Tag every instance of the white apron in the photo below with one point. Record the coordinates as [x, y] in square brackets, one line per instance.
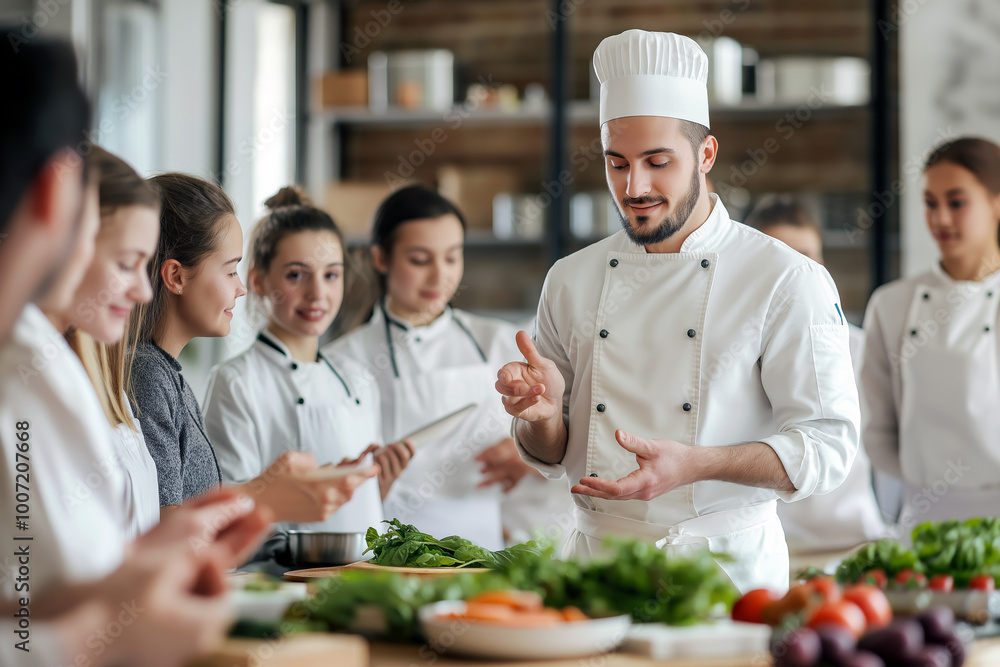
[262, 403]
[949, 423]
[437, 492]
[355, 430]
[672, 288]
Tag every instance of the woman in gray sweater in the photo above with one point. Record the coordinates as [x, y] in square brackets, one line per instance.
[195, 287]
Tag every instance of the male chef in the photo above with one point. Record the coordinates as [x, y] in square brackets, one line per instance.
[688, 370]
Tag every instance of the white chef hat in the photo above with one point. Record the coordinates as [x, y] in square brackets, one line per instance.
[652, 74]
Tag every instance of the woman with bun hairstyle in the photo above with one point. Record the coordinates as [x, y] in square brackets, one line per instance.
[931, 375]
[195, 286]
[283, 394]
[429, 360]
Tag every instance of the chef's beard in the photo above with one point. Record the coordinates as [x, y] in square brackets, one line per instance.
[670, 224]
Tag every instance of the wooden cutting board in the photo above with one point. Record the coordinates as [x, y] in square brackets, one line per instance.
[307, 650]
[327, 572]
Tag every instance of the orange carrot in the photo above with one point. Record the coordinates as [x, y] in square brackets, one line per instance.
[520, 600]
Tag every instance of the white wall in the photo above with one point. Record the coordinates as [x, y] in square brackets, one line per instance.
[949, 86]
[189, 114]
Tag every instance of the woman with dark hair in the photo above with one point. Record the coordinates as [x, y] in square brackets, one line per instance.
[931, 377]
[429, 360]
[282, 394]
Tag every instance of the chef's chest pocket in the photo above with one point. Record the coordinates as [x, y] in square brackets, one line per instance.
[833, 375]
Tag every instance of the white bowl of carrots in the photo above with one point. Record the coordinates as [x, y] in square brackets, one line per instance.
[516, 625]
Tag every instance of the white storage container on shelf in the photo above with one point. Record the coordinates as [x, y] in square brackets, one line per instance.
[420, 79]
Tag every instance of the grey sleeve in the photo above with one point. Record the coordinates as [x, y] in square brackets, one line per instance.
[156, 402]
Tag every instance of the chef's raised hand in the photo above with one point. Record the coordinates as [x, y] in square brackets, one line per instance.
[531, 391]
[663, 466]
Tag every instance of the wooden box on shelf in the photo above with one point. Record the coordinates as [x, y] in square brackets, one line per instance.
[342, 88]
[352, 204]
[472, 189]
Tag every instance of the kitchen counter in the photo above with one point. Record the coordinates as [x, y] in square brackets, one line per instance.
[351, 651]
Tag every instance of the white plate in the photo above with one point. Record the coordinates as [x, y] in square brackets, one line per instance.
[481, 639]
[266, 605]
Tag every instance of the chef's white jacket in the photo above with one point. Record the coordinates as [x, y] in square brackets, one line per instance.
[848, 515]
[70, 475]
[263, 403]
[736, 338]
[424, 373]
[931, 386]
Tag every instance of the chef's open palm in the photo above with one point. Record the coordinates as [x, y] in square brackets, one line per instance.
[531, 391]
[663, 466]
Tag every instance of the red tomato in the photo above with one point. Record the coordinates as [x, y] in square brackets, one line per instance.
[825, 587]
[910, 579]
[875, 578]
[872, 602]
[844, 613]
[982, 582]
[943, 583]
[749, 607]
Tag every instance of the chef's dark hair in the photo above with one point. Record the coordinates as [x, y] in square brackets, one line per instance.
[192, 213]
[289, 211]
[413, 202]
[695, 133]
[977, 155]
[46, 112]
[780, 209]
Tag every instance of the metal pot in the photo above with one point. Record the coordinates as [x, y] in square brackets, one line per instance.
[307, 548]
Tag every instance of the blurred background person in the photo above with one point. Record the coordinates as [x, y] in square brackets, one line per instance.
[850, 514]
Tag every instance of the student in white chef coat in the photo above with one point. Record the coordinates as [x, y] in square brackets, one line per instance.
[688, 371]
[195, 286]
[428, 360]
[114, 283]
[283, 394]
[181, 592]
[931, 377]
[849, 515]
